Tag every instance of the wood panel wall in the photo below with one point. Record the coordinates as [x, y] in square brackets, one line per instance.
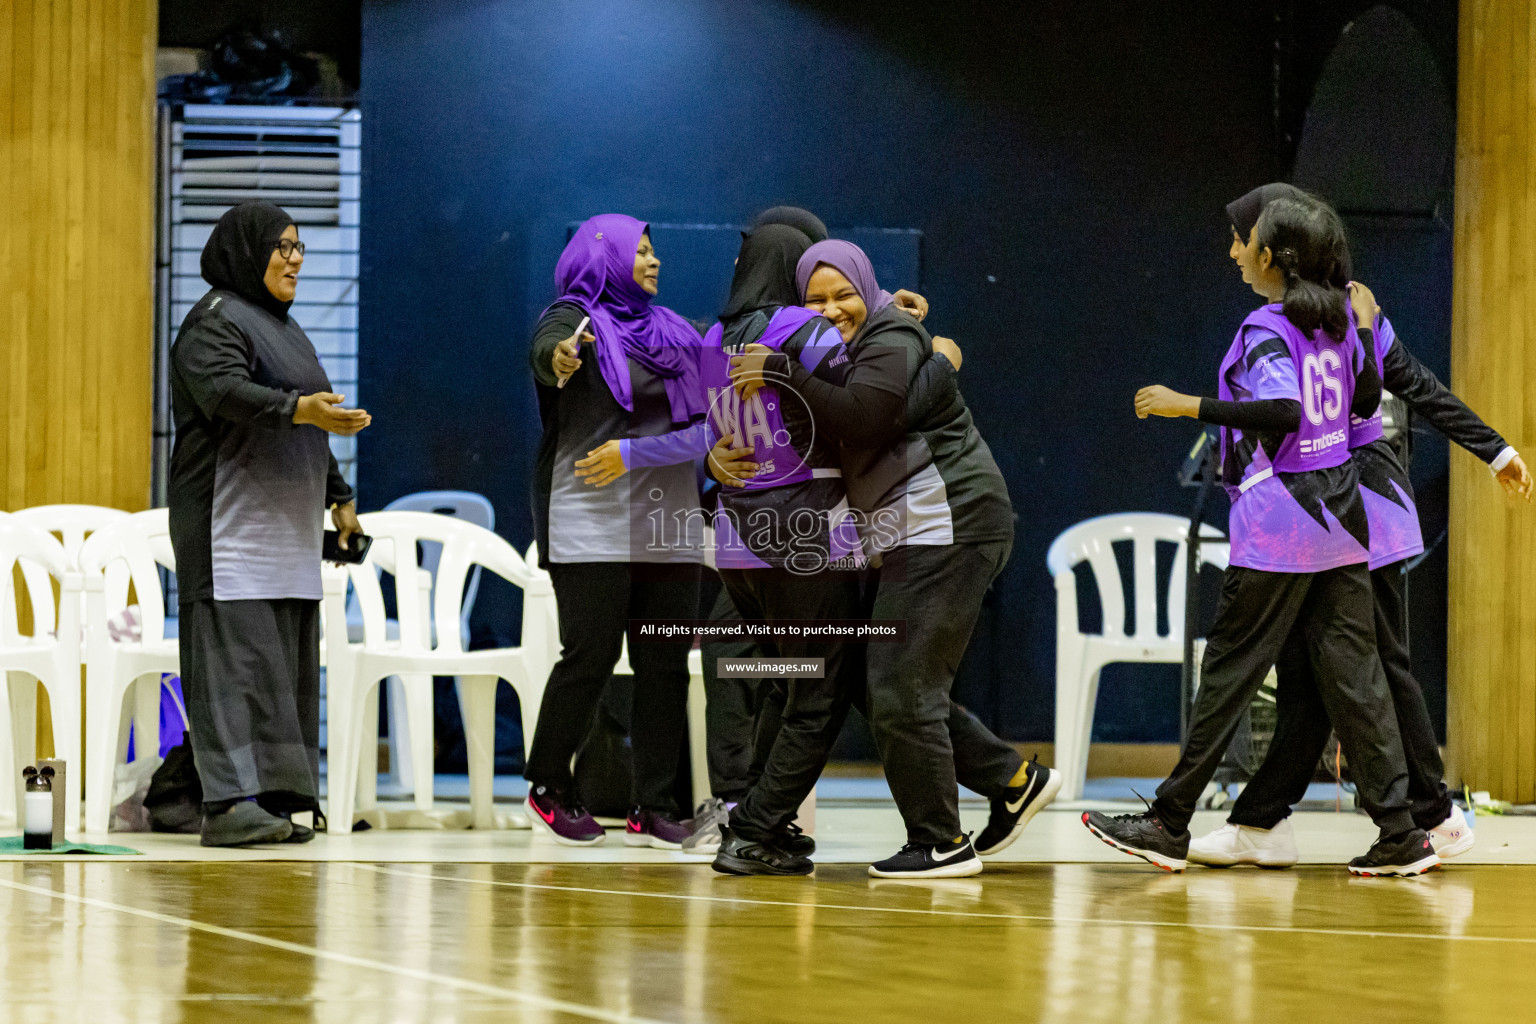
[76, 251]
[1492, 644]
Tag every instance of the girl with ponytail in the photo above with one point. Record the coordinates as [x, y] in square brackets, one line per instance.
[1292, 378]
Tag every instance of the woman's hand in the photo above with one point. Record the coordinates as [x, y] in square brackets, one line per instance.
[1160, 401]
[603, 465]
[729, 465]
[947, 348]
[1515, 478]
[323, 409]
[911, 302]
[567, 358]
[747, 370]
[344, 518]
[1363, 303]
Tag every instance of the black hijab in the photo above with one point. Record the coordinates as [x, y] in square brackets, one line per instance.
[1244, 213]
[765, 270]
[795, 217]
[239, 250]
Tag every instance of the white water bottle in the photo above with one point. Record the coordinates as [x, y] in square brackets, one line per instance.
[37, 810]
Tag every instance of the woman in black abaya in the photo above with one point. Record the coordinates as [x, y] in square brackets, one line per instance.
[251, 478]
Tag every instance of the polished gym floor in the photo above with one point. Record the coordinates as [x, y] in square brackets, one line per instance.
[506, 927]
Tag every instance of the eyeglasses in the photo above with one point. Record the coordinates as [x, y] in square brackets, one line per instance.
[286, 249]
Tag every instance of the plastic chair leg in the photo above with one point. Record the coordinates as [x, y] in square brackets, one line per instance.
[401, 762]
[698, 739]
[367, 793]
[343, 728]
[23, 715]
[477, 703]
[146, 717]
[64, 704]
[7, 758]
[421, 736]
[1068, 700]
[103, 726]
[1082, 737]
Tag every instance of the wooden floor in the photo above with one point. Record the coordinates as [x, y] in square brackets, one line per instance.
[118, 940]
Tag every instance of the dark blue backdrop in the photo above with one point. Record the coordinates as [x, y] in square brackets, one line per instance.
[1067, 169]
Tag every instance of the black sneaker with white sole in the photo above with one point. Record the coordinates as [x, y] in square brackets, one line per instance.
[740, 855]
[1141, 835]
[791, 838]
[955, 859]
[1018, 804]
[1407, 853]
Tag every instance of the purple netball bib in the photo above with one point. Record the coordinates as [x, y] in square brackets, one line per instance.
[1363, 431]
[1269, 530]
[759, 421]
[1326, 372]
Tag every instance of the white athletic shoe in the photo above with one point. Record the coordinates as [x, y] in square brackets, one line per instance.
[1243, 844]
[1453, 836]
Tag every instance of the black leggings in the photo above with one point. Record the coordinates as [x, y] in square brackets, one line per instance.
[1332, 614]
[810, 711]
[1301, 733]
[597, 600]
[927, 742]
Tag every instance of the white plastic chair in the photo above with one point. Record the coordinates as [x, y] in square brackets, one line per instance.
[50, 654]
[471, 508]
[1080, 657]
[134, 549]
[71, 523]
[355, 669]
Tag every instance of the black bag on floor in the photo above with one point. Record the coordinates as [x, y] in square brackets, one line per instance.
[175, 798]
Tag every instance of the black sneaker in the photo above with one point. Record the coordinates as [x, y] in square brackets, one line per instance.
[1141, 835]
[1407, 853]
[739, 855]
[791, 838]
[1018, 804]
[955, 859]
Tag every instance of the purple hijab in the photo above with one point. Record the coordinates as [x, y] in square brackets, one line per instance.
[596, 272]
[849, 260]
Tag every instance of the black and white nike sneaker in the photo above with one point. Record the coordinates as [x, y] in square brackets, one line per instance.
[955, 859]
[1141, 835]
[1405, 854]
[1018, 804]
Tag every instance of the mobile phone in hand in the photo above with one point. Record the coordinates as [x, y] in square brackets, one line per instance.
[579, 328]
[353, 554]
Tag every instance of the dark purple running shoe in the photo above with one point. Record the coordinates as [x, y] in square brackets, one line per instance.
[655, 829]
[567, 824]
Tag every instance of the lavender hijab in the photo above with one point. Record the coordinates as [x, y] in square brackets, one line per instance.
[596, 272]
[849, 260]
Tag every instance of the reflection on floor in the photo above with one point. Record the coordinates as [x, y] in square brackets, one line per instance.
[127, 940]
[847, 832]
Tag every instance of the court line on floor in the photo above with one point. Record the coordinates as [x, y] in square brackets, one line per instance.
[983, 915]
[463, 984]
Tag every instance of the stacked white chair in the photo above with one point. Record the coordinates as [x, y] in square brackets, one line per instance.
[49, 654]
[355, 669]
[131, 549]
[472, 508]
[1080, 657]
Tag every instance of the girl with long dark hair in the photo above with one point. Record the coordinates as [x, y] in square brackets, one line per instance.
[1258, 829]
[1295, 373]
